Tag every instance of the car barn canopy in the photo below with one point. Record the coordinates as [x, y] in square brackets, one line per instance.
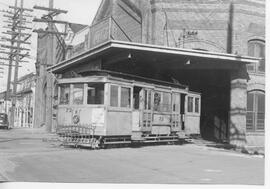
[118, 51]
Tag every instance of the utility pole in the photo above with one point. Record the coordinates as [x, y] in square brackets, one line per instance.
[16, 23]
[52, 32]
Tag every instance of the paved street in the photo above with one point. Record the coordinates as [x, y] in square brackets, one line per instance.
[24, 157]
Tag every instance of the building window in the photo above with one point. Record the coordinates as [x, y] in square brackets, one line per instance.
[255, 111]
[95, 93]
[256, 48]
[78, 90]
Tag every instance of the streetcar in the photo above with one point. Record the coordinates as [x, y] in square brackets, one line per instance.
[99, 108]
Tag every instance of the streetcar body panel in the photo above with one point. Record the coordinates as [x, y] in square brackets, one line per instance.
[127, 109]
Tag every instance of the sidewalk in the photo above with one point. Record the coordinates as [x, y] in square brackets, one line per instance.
[225, 146]
[26, 133]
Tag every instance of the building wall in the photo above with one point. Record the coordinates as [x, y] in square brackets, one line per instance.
[45, 82]
[24, 108]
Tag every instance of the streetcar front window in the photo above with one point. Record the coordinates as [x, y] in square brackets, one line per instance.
[166, 102]
[64, 94]
[95, 93]
[78, 94]
[190, 104]
[162, 102]
[197, 104]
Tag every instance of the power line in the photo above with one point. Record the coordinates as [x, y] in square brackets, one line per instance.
[4, 4]
[15, 51]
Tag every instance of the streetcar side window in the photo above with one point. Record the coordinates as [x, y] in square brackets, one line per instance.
[78, 90]
[125, 97]
[95, 93]
[114, 96]
[64, 94]
[190, 104]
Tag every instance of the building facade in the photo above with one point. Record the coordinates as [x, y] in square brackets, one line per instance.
[24, 110]
[63, 47]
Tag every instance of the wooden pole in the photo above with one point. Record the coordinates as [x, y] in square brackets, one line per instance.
[14, 96]
[50, 60]
[7, 97]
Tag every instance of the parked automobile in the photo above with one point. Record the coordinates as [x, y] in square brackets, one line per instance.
[4, 121]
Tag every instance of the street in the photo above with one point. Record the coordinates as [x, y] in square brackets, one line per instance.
[27, 158]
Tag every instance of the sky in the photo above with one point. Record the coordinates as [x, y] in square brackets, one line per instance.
[79, 11]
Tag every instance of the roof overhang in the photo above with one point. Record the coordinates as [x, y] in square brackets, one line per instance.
[113, 48]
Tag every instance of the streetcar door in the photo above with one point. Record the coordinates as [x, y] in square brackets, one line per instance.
[137, 106]
[146, 111]
[182, 110]
[176, 116]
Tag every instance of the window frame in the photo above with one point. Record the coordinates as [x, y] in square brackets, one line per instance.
[194, 97]
[72, 94]
[192, 107]
[258, 44]
[176, 95]
[119, 96]
[254, 112]
[59, 94]
[86, 93]
[162, 92]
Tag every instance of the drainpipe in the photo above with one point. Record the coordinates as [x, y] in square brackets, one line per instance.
[230, 29]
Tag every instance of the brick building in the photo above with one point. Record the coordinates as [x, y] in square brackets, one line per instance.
[234, 27]
[24, 108]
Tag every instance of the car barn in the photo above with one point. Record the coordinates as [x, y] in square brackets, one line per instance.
[220, 79]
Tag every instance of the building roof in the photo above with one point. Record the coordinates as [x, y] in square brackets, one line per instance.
[30, 75]
[77, 27]
[113, 50]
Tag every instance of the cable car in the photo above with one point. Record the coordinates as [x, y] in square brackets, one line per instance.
[104, 107]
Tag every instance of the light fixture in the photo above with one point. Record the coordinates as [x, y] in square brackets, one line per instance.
[188, 62]
[129, 56]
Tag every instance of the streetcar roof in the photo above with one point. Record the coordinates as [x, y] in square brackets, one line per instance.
[96, 76]
[113, 51]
